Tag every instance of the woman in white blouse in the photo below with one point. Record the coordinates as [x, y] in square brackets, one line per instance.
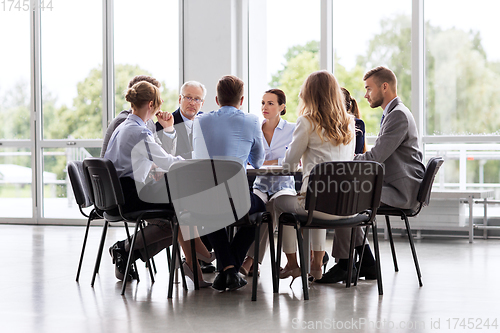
[324, 132]
[277, 136]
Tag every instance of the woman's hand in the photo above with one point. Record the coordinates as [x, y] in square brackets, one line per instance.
[165, 119]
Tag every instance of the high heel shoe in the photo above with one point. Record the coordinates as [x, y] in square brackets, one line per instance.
[189, 273]
[316, 274]
[206, 259]
[294, 273]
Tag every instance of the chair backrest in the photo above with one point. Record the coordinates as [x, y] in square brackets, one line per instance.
[79, 184]
[106, 190]
[208, 192]
[424, 192]
[345, 188]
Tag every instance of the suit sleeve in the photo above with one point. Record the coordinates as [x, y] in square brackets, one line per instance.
[392, 134]
[300, 141]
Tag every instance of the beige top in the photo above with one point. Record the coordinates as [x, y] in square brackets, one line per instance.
[307, 145]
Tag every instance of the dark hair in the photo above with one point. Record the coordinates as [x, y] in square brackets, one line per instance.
[229, 90]
[142, 93]
[281, 98]
[350, 104]
[382, 74]
[139, 78]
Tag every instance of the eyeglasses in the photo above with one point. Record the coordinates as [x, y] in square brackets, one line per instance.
[191, 99]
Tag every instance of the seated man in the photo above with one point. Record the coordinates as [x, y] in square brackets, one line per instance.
[230, 132]
[397, 148]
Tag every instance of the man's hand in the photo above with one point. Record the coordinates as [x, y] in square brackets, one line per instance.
[165, 119]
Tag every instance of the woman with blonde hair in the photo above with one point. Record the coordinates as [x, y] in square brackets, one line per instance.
[324, 132]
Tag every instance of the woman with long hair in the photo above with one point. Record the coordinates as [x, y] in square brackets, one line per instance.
[324, 132]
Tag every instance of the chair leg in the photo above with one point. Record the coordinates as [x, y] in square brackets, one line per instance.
[83, 248]
[361, 256]
[377, 257]
[256, 261]
[413, 251]
[193, 259]
[129, 239]
[278, 254]
[152, 264]
[175, 244]
[129, 259]
[169, 258]
[272, 253]
[99, 252]
[391, 240]
[148, 261]
[305, 286]
[350, 263]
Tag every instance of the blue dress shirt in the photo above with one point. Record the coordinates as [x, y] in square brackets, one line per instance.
[228, 133]
[276, 151]
[133, 150]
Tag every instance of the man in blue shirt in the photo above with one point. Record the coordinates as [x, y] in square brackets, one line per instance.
[230, 133]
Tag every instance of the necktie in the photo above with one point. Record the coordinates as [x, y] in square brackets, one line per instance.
[382, 120]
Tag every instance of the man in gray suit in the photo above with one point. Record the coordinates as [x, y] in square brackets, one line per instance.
[397, 148]
[397, 142]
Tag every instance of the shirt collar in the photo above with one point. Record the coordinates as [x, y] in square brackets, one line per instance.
[388, 105]
[136, 119]
[187, 121]
[280, 125]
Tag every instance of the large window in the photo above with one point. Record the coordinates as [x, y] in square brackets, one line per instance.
[15, 116]
[147, 49]
[462, 60]
[367, 34]
[284, 49]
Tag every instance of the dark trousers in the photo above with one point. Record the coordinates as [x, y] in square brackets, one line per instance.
[234, 252]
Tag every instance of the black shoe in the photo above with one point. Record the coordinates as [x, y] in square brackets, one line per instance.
[119, 257]
[206, 267]
[234, 280]
[220, 282]
[368, 272]
[336, 274]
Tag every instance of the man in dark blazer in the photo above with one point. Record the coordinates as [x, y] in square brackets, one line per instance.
[191, 99]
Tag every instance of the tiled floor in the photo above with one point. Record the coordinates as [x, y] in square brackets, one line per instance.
[38, 292]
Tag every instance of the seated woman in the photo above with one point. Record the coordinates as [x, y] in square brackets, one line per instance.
[277, 136]
[324, 132]
[134, 153]
[352, 107]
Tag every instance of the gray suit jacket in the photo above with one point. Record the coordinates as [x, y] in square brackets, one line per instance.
[397, 148]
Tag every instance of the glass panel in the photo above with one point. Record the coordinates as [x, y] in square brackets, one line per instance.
[462, 60]
[156, 55]
[58, 199]
[367, 34]
[467, 166]
[14, 72]
[16, 178]
[285, 53]
[72, 70]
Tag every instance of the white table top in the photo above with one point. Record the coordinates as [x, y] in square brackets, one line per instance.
[461, 194]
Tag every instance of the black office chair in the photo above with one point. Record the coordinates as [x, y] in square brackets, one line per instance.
[423, 197]
[212, 194]
[108, 196]
[82, 198]
[344, 189]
